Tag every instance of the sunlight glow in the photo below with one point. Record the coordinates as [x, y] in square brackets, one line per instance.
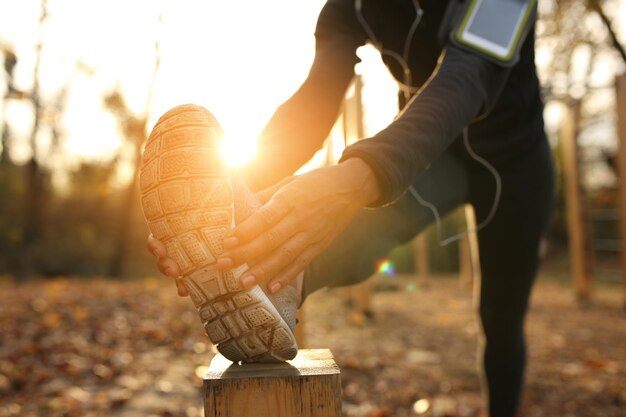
[238, 65]
[240, 60]
[237, 150]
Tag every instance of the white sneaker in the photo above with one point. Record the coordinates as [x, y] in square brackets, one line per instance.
[187, 201]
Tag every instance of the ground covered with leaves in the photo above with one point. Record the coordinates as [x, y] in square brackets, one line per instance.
[123, 349]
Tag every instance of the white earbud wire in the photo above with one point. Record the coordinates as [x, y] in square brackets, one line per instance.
[407, 88]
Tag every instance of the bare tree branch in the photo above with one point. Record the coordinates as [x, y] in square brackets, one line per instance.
[35, 196]
[595, 6]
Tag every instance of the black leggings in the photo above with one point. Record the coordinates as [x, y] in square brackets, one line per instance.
[509, 250]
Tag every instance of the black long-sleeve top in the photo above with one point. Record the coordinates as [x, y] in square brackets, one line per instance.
[501, 106]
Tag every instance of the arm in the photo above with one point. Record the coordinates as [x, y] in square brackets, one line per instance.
[299, 127]
[302, 218]
[463, 87]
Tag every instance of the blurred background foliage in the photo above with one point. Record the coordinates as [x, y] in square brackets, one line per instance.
[90, 222]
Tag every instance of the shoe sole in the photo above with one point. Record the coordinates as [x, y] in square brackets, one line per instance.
[187, 201]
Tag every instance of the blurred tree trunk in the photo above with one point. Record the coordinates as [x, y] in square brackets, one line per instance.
[135, 130]
[4, 155]
[10, 60]
[7, 171]
[35, 195]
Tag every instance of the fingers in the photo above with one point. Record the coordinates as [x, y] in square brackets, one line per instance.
[267, 242]
[294, 251]
[168, 267]
[182, 289]
[263, 219]
[156, 247]
[295, 268]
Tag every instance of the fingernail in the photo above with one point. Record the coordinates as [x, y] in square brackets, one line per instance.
[224, 263]
[275, 287]
[230, 242]
[248, 281]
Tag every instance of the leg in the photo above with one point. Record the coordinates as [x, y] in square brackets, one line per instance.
[370, 236]
[509, 258]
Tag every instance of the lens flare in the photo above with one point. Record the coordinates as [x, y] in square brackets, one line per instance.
[385, 267]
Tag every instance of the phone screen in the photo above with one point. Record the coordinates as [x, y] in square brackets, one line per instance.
[497, 21]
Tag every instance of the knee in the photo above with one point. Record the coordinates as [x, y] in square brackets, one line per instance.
[502, 326]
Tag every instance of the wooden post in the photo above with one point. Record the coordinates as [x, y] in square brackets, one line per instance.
[465, 263]
[469, 260]
[576, 216]
[362, 298]
[352, 114]
[307, 386]
[620, 100]
[422, 267]
[358, 298]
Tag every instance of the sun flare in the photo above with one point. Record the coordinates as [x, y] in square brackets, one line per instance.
[239, 72]
[237, 149]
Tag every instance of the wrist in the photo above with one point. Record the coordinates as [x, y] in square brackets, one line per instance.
[366, 186]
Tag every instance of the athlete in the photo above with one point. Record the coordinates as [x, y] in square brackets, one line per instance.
[470, 132]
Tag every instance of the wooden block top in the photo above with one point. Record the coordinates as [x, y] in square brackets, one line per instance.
[308, 362]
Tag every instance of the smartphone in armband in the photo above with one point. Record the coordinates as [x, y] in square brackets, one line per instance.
[496, 29]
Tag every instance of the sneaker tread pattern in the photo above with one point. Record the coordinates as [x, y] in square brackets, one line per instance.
[187, 202]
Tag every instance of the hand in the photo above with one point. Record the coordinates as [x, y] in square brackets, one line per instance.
[298, 222]
[167, 266]
[266, 195]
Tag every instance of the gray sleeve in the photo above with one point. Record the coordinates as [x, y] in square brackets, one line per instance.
[463, 87]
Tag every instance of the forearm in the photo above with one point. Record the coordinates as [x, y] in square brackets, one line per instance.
[463, 87]
[300, 126]
[295, 132]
